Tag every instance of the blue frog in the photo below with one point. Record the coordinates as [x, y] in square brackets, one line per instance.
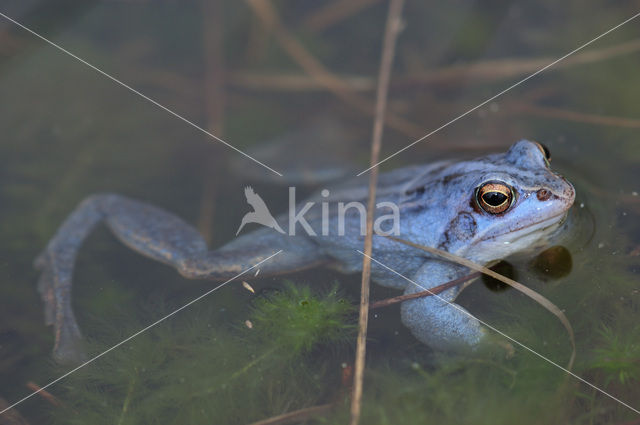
[482, 209]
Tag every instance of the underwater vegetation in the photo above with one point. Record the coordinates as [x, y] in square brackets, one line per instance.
[290, 354]
[619, 356]
[68, 132]
[199, 371]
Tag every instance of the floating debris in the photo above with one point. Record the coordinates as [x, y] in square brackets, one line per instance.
[248, 287]
[257, 272]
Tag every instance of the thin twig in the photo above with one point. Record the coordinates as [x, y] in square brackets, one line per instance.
[334, 12]
[53, 400]
[214, 100]
[487, 71]
[12, 416]
[296, 416]
[392, 29]
[427, 293]
[258, 40]
[294, 82]
[568, 115]
[312, 66]
[500, 69]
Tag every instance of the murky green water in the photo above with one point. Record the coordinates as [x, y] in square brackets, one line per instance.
[68, 131]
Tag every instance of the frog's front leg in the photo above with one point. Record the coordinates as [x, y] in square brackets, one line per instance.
[436, 320]
[162, 236]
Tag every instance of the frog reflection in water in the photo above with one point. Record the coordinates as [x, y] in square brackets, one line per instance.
[483, 209]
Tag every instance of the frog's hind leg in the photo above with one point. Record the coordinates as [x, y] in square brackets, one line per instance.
[162, 236]
[56, 265]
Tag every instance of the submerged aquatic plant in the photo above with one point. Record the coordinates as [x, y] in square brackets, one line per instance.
[478, 388]
[198, 370]
[619, 355]
[295, 320]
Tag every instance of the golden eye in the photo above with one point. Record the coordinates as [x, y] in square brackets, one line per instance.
[494, 197]
[545, 152]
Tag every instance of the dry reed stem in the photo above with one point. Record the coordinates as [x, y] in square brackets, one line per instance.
[568, 115]
[427, 293]
[214, 102]
[487, 71]
[53, 400]
[392, 28]
[11, 417]
[500, 69]
[296, 416]
[333, 13]
[312, 66]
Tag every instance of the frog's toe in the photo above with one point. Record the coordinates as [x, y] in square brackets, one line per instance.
[45, 288]
[68, 348]
[57, 312]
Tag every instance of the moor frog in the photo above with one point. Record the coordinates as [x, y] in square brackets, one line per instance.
[482, 209]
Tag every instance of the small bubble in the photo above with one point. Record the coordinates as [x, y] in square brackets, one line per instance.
[324, 193]
[634, 193]
[494, 107]
[581, 204]
[601, 245]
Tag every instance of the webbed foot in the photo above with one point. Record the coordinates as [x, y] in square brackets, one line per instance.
[68, 348]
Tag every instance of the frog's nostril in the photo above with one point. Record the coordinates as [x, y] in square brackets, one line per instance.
[543, 194]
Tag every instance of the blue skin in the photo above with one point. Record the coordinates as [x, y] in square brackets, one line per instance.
[438, 207]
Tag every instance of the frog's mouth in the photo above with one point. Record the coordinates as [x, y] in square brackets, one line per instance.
[542, 227]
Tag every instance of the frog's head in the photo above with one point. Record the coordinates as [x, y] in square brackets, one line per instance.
[506, 202]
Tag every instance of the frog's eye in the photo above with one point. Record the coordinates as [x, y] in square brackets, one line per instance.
[494, 197]
[545, 151]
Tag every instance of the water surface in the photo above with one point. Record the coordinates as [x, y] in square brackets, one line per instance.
[68, 132]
